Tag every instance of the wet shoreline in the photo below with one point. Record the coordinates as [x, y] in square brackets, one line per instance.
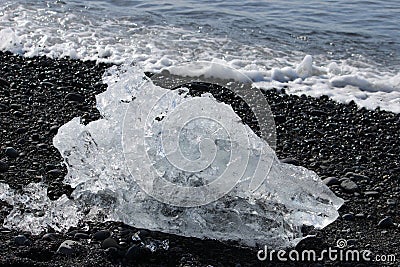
[352, 145]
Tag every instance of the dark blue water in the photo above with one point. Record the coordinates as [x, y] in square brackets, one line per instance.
[337, 28]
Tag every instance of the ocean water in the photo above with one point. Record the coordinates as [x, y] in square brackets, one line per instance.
[348, 50]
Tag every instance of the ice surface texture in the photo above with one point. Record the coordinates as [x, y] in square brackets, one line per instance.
[113, 165]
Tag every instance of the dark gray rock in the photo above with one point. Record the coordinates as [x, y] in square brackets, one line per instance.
[4, 83]
[356, 177]
[35, 137]
[348, 217]
[3, 166]
[133, 252]
[21, 240]
[15, 107]
[112, 252]
[143, 233]
[3, 107]
[75, 97]
[290, 161]
[47, 84]
[81, 236]
[21, 130]
[50, 167]
[109, 243]
[280, 118]
[69, 247]
[54, 172]
[101, 235]
[386, 222]
[318, 112]
[349, 186]
[352, 242]
[331, 181]
[137, 252]
[391, 201]
[11, 152]
[17, 113]
[49, 237]
[53, 129]
[73, 232]
[42, 146]
[371, 193]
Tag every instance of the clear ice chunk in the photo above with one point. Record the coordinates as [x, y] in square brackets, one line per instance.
[106, 187]
[33, 211]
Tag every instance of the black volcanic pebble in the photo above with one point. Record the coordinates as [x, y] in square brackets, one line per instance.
[42, 146]
[75, 97]
[143, 233]
[81, 236]
[53, 129]
[3, 166]
[371, 193]
[109, 243]
[54, 172]
[113, 252]
[35, 137]
[137, 253]
[331, 181]
[101, 235]
[348, 185]
[21, 130]
[133, 252]
[356, 176]
[73, 232]
[352, 242]
[348, 217]
[69, 247]
[4, 83]
[3, 107]
[391, 201]
[386, 222]
[49, 237]
[360, 215]
[21, 240]
[11, 152]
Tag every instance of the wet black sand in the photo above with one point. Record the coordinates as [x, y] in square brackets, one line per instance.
[38, 95]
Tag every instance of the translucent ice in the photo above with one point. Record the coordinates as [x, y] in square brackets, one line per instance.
[33, 211]
[111, 164]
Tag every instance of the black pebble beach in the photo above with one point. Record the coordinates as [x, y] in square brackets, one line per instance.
[356, 152]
